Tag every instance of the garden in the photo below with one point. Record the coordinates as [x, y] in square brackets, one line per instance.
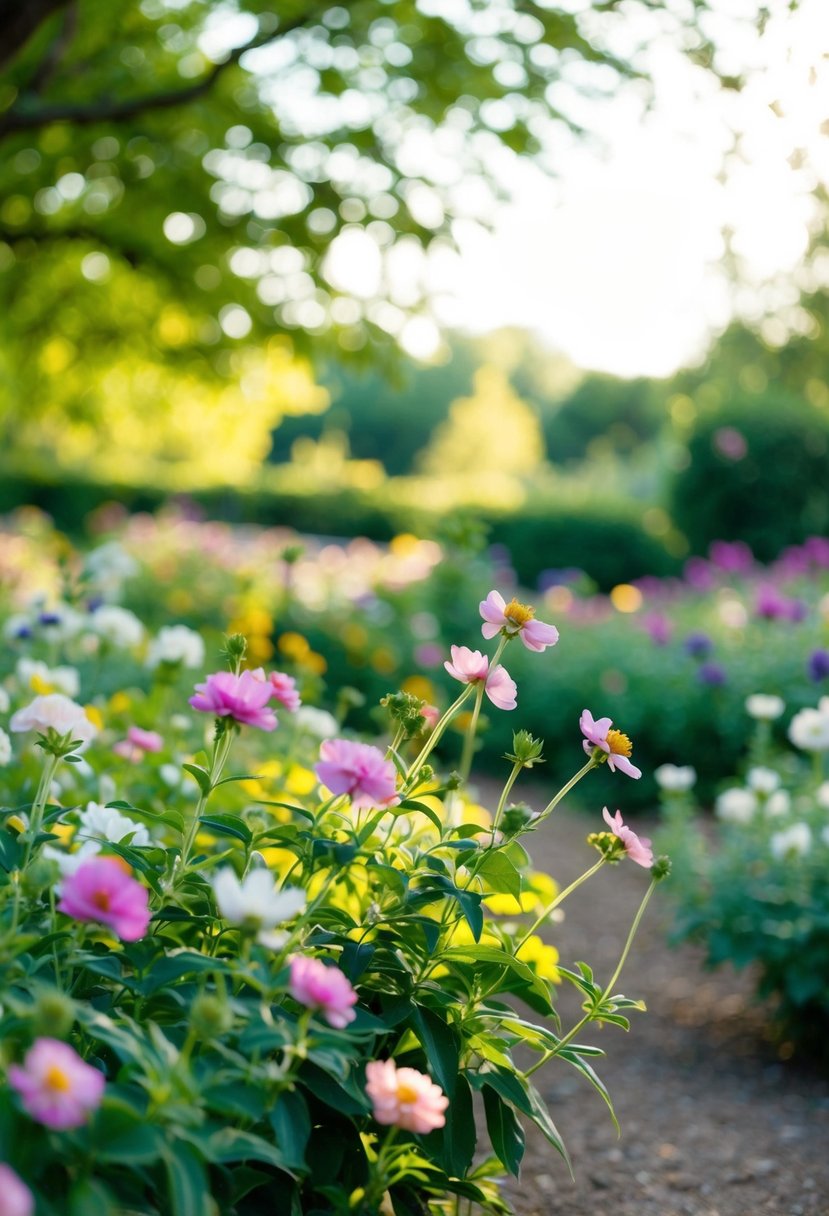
[414, 738]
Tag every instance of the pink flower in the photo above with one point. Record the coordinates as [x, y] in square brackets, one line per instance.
[15, 1197]
[638, 848]
[101, 890]
[243, 698]
[56, 712]
[285, 690]
[405, 1097]
[513, 618]
[357, 769]
[55, 1085]
[325, 988]
[472, 667]
[430, 715]
[616, 746]
[137, 742]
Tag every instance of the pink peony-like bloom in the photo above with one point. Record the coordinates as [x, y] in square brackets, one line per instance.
[101, 890]
[472, 667]
[15, 1197]
[404, 1097]
[638, 848]
[55, 1085]
[357, 769]
[324, 988]
[513, 618]
[430, 715]
[285, 690]
[244, 698]
[616, 746]
[56, 712]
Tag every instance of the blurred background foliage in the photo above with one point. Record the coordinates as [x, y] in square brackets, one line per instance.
[180, 184]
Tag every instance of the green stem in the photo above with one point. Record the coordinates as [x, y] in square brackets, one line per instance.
[469, 740]
[608, 988]
[502, 801]
[559, 899]
[436, 735]
[565, 789]
[39, 804]
[221, 750]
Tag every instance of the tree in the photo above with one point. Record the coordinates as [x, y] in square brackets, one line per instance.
[223, 169]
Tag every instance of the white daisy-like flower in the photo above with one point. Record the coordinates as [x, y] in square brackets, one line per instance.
[676, 778]
[736, 806]
[796, 840]
[763, 780]
[107, 823]
[118, 626]
[176, 644]
[765, 707]
[809, 730]
[255, 902]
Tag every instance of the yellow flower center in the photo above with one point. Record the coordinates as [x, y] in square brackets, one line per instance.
[406, 1093]
[620, 745]
[101, 900]
[518, 614]
[57, 1079]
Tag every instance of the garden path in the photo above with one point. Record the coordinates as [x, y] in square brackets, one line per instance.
[713, 1123]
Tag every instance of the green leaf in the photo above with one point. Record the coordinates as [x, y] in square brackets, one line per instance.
[412, 804]
[229, 1145]
[227, 825]
[172, 967]
[533, 984]
[499, 873]
[291, 1125]
[458, 1138]
[541, 1118]
[200, 775]
[189, 1188]
[89, 1196]
[505, 1132]
[122, 1134]
[440, 1042]
[571, 1055]
[504, 1082]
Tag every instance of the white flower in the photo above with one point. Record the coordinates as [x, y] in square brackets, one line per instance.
[18, 625]
[180, 721]
[4, 700]
[68, 862]
[736, 806]
[109, 565]
[809, 730]
[822, 796]
[795, 840]
[117, 625]
[58, 623]
[107, 823]
[778, 803]
[255, 902]
[5, 748]
[58, 713]
[317, 722]
[176, 644]
[675, 777]
[37, 676]
[764, 706]
[763, 780]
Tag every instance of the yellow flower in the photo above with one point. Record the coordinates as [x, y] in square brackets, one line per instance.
[300, 780]
[293, 645]
[541, 958]
[94, 714]
[539, 890]
[315, 663]
[419, 686]
[119, 702]
[279, 860]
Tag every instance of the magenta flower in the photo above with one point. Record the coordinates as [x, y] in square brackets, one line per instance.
[324, 988]
[284, 690]
[616, 746]
[101, 890]
[404, 1097]
[513, 618]
[137, 742]
[244, 698]
[357, 769]
[472, 667]
[55, 1085]
[638, 848]
[15, 1197]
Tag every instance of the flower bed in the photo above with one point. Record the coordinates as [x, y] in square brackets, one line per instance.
[252, 963]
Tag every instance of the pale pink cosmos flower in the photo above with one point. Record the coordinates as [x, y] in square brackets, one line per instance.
[472, 667]
[513, 618]
[638, 848]
[616, 746]
[15, 1197]
[55, 1085]
[324, 988]
[56, 712]
[138, 742]
[101, 890]
[404, 1097]
[360, 770]
[244, 698]
[285, 690]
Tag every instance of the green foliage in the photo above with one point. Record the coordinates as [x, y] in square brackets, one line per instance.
[755, 894]
[758, 471]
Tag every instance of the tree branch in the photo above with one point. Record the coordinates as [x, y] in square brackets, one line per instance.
[18, 21]
[21, 118]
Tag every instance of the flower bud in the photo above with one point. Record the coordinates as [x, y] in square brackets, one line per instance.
[235, 648]
[661, 868]
[292, 553]
[210, 1016]
[526, 750]
[405, 709]
[38, 876]
[53, 1013]
[516, 817]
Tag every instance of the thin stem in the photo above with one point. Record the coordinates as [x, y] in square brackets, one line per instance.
[221, 750]
[565, 789]
[502, 801]
[559, 899]
[469, 740]
[436, 734]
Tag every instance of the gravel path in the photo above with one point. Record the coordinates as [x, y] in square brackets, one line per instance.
[713, 1124]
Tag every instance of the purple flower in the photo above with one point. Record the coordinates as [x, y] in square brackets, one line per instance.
[698, 574]
[773, 606]
[472, 667]
[698, 645]
[102, 890]
[818, 665]
[712, 674]
[244, 698]
[732, 556]
[638, 848]
[360, 770]
[659, 627]
[285, 690]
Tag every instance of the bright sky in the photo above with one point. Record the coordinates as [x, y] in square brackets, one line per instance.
[618, 263]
